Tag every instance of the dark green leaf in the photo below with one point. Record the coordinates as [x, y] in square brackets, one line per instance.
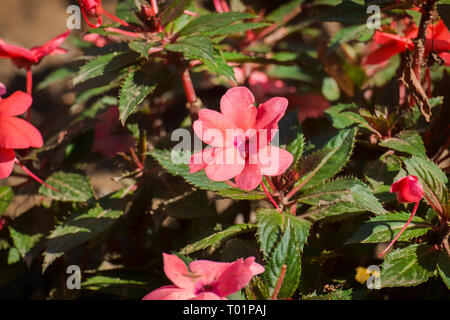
[408, 266]
[406, 141]
[70, 187]
[6, 195]
[213, 21]
[173, 10]
[385, 227]
[443, 265]
[218, 238]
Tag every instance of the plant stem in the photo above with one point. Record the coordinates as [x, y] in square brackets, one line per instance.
[116, 19]
[401, 231]
[270, 197]
[32, 175]
[279, 282]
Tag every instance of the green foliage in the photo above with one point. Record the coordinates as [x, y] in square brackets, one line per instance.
[78, 228]
[406, 141]
[385, 227]
[408, 266]
[282, 237]
[69, 187]
[213, 21]
[6, 195]
[217, 238]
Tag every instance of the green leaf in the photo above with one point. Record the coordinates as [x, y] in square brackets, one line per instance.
[104, 64]
[126, 9]
[443, 265]
[239, 194]
[282, 237]
[336, 295]
[408, 266]
[13, 256]
[198, 47]
[54, 77]
[346, 12]
[349, 33]
[279, 14]
[236, 28]
[70, 186]
[78, 229]
[385, 227]
[174, 10]
[331, 159]
[431, 177]
[213, 21]
[342, 116]
[142, 47]
[24, 242]
[218, 238]
[332, 212]
[181, 168]
[136, 87]
[406, 141]
[347, 189]
[6, 195]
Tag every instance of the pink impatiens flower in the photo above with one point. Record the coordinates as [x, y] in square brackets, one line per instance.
[239, 138]
[205, 280]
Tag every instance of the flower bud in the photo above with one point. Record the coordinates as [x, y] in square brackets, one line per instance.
[91, 7]
[408, 189]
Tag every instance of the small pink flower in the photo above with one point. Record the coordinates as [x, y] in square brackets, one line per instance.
[408, 189]
[110, 137]
[205, 280]
[239, 138]
[97, 39]
[3, 223]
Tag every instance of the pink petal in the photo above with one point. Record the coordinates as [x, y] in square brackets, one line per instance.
[210, 271]
[385, 52]
[227, 164]
[238, 105]
[50, 47]
[177, 272]
[270, 112]
[208, 296]
[7, 157]
[200, 159]
[17, 133]
[169, 293]
[446, 57]
[237, 276]
[250, 178]
[274, 161]
[16, 104]
[212, 127]
[408, 189]
[10, 51]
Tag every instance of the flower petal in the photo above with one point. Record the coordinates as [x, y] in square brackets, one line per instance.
[177, 272]
[238, 105]
[249, 178]
[237, 276]
[274, 161]
[50, 47]
[169, 293]
[270, 112]
[226, 164]
[17, 133]
[208, 296]
[208, 271]
[10, 51]
[199, 159]
[385, 52]
[212, 127]
[16, 104]
[7, 157]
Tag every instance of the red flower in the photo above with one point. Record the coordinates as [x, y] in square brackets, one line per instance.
[25, 58]
[3, 222]
[94, 8]
[15, 133]
[408, 189]
[389, 44]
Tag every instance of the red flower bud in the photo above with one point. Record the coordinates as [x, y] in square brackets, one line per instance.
[408, 189]
[92, 8]
[3, 222]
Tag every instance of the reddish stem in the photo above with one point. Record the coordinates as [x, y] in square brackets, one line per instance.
[188, 86]
[125, 33]
[32, 175]
[279, 282]
[270, 197]
[401, 231]
[116, 19]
